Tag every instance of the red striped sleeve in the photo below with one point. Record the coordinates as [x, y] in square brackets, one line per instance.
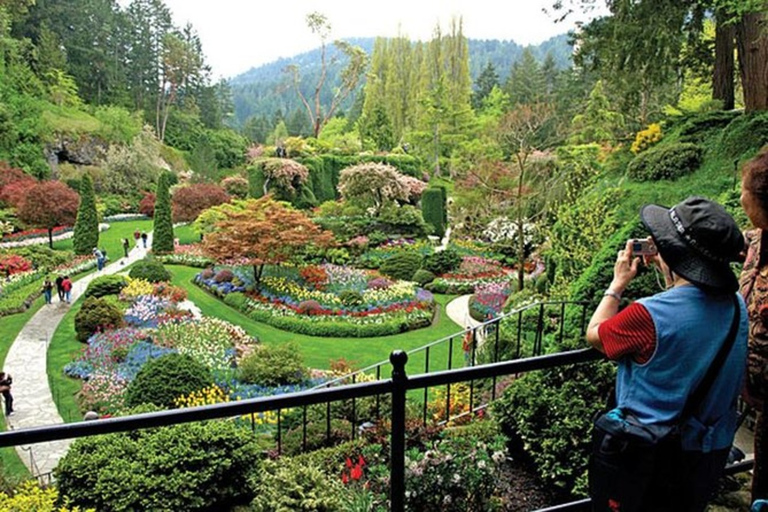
[629, 333]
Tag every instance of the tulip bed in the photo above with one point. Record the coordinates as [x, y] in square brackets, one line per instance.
[155, 326]
[324, 300]
[474, 271]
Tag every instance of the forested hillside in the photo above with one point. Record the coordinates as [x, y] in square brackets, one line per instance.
[266, 92]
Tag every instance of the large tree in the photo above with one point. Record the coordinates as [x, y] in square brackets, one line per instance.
[264, 232]
[87, 223]
[47, 205]
[317, 113]
[190, 201]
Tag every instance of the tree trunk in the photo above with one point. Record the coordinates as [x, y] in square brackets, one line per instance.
[50, 237]
[722, 77]
[258, 270]
[753, 60]
[520, 222]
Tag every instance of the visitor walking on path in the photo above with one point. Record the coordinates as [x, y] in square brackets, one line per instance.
[126, 246]
[5, 389]
[59, 288]
[99, 258]
[144, 239]
[47, 289]
[66, 285]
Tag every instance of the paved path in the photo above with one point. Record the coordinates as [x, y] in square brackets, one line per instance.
[458, 311]
[26, 362]
[44, 239]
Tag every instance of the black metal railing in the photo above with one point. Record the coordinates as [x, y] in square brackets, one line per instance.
[397, 387]
[523, 332]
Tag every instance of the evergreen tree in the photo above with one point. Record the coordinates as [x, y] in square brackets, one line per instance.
[162, 241]
[526, 84]
[598, 123]
[87, 222]
[484, 84]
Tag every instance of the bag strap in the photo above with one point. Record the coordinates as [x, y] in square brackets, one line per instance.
[695, 398]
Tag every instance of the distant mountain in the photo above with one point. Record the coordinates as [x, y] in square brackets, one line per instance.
[267, 90]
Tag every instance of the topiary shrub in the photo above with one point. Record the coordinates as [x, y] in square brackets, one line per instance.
[96, 314]
[106, 285]
[351, 298]
[442, 262]
[86, 235]
[205, 466]
[273, 366]
[422, 277]
[402, 265]
[162, 240]
[150, 270]
[297, 486]
[433, 209]
[667, 162]
[163, 380]
[745, 134]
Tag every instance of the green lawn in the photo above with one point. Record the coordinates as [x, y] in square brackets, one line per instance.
[318, 352]
[185, 234]
[111, 239]
[10, 326]
[63, 349]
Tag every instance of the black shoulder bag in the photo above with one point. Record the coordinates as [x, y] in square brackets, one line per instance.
[635, 467]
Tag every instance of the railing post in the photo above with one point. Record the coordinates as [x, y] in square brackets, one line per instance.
[398, 358]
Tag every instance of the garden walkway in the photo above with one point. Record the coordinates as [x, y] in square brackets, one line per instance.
[26, 362]
[458, 311]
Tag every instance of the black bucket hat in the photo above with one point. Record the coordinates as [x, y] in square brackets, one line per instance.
[697, 239]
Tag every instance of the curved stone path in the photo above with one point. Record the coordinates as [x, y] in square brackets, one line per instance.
[26, 362]
[458, 311]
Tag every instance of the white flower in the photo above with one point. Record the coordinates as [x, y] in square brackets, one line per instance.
[481, 464]
[456, 478]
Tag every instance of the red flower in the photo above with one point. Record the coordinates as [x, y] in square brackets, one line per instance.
[344, 478]
[360, 461]
[357, 472]
[348, 463]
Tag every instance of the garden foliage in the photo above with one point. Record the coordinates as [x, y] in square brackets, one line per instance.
[434, 210]
[96, 314]
[106, 285]
[669, 162]
[86, 235]
[163, 380]
[402, 265]
[744, 135]
[288, 486]
[150, 270]
[274, 366]
[162, 237]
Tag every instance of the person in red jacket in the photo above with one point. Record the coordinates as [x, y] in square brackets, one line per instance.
[66, 285]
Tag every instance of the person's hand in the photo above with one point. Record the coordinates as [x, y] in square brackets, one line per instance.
[625, 269]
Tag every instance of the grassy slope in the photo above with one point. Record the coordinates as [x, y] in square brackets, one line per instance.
[111, 239]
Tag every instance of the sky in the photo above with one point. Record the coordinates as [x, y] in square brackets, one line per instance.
[240, 34]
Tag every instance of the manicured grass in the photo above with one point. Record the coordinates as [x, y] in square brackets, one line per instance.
[185, 234]
[10, 326]
[63, 349]
[318, 351]
[112, 239]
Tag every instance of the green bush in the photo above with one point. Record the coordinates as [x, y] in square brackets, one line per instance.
[666, 162]
[317, 435]
[161, 381]
[288, 486]
[442, 262]
[41, 256]
[433, 209]
[351, 298]
[106, 285]
[96, 314]
[86, 235]
[150, 270]
[745, 135]
[693, 128]
[204, 466]
[274, 366]
[405, 220]
[235, 299]
[256, 182]
[422, 277]
[162, 236]
[402, 265]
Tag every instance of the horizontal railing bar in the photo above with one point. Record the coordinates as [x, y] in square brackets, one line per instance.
[504, 368]
[454, 335]
[200, 413]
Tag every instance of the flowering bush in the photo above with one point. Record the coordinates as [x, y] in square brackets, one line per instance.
[135, 289]
[314, 276]
[504, 229]
[175, 294]
[14, 264]
[646, 138]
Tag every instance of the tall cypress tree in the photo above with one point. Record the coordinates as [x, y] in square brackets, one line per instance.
[87, 222]
[162, 241]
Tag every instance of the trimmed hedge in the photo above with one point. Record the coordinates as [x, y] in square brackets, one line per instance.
[666, 162]
[273, 366]
[86, 235]
[443, 262]
[96, 314]
[162, 238]
[161, 381]
[106, 285]
[402, 265]
[150, 270]
[422, 277]
[433, 209]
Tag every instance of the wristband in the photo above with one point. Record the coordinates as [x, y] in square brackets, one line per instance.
[611, 293]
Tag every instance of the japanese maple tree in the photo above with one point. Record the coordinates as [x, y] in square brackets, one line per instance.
[264, 232]
[190, 201]
[49, 204]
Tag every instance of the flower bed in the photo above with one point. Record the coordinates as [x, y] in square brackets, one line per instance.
[124, 217]
[489, 300]
[373, 258]
[36, 233]
[326, 300]
[190, 255]
[474, 271]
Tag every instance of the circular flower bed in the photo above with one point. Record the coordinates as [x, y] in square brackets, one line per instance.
[325, 300]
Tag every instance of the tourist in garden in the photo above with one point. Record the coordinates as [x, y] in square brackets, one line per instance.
[665, 444]
[47, 290]
[59, 288]
[126, 246]
[66, 285]
[136, 237]
[99, 258]
[5, 389]
[754, 288]
[144, 240]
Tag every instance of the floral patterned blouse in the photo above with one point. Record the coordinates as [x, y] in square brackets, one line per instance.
[754, 288]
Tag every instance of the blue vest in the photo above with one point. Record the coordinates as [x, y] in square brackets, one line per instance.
[691, 326]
